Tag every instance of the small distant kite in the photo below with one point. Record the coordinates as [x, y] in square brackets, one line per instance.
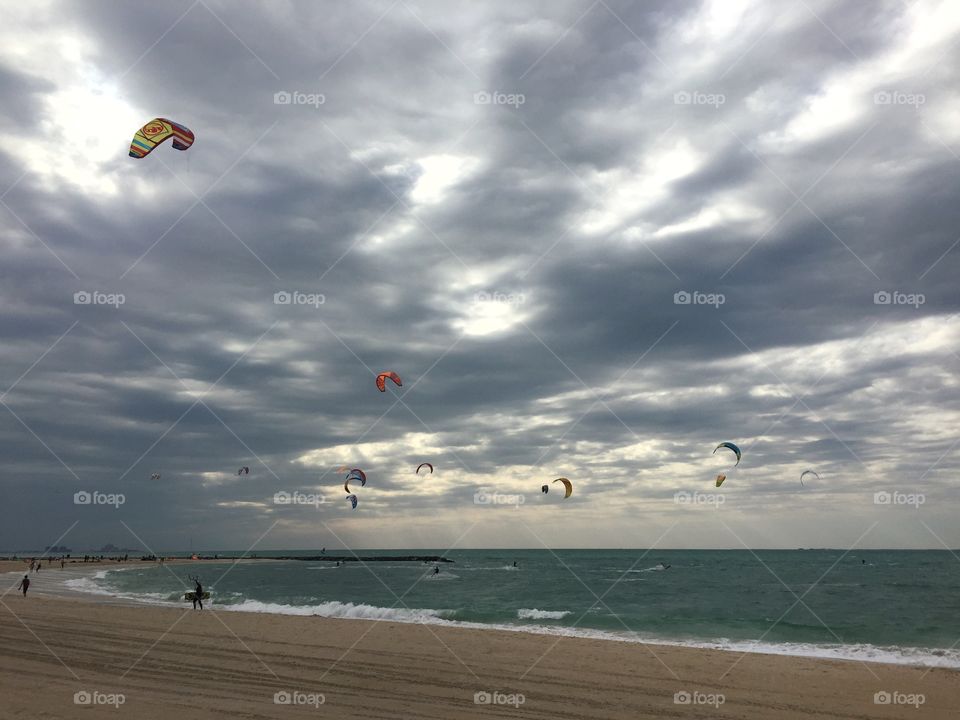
[155, 476]
[243, 471]
[544, 489]
[382, 380]
[808, 472]
[353, 501]
[729, 446]
[155, 132]
[566, 484]
[423, 465]
[720, 478]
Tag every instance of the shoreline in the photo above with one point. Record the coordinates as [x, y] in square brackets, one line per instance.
[66, 588]
[165, 662]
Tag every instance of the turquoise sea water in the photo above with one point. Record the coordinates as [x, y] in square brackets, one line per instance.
[899, 606]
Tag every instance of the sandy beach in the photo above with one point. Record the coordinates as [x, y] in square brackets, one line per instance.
[58, 653]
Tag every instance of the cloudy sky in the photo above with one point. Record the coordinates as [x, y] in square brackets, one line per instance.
[594, 239]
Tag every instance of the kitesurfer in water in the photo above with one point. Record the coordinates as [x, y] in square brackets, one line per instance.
[436, 569]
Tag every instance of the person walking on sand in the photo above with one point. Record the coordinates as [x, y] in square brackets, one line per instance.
[198, 594]
[62, 561]
[25, 584]
[33, 565]
[38, 566]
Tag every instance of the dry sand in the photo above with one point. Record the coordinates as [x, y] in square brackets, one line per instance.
[173, 663]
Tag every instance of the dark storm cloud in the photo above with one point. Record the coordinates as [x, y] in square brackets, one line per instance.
[22, 96]
[530, 310]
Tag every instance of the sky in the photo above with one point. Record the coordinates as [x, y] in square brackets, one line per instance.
[593, 239]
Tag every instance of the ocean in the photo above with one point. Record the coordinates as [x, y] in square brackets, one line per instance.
[883, 605]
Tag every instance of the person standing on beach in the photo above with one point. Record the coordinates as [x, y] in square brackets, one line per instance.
[33, 565]
[61, 563]
[38, 566]
[25, 584]
[198, 594]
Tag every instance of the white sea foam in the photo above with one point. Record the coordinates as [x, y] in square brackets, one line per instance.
[87, 585]
[343, 610]
[534, 614]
